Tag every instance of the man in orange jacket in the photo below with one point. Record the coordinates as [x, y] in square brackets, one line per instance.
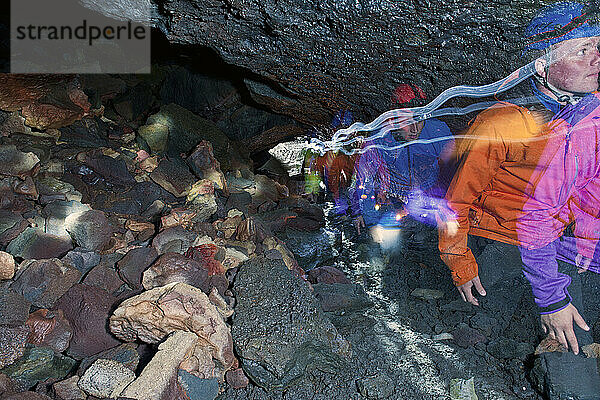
[494, 183]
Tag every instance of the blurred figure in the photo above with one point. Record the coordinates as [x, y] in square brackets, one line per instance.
[389, 180]
[332, 171]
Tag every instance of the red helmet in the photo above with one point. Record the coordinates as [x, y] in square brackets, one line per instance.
[405, 93]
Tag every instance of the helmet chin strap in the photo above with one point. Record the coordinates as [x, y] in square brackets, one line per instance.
[561, 97]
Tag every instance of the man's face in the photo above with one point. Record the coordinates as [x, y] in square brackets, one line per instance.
[411, 131]
[576, 65]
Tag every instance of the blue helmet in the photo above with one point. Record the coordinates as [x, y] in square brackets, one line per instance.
[559, 22]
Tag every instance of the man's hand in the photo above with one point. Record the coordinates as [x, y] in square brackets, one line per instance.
[465, 290]
[582, 263]
[358, 223]
[559, 326]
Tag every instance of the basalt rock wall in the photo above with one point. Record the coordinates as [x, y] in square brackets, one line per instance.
[312, 57]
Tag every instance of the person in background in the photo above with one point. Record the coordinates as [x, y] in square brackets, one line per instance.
[332, 171]
[386, 180]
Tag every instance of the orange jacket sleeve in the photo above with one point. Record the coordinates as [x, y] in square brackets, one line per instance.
[480, 155]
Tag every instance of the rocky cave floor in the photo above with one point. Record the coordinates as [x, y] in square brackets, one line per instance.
[143, 256]
[413, 334]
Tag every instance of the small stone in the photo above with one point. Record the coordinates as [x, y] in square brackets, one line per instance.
[340, 296]
[125, 353]
[68, 389]
[14, 162]
[237, 379]
[327, 275]
[464, 336]
[174, 267]
[176, 239]
[198, 388]
[106, 378]
[14, 308]
[132, 266]
[427, 294]
[7, 386]
[549, 345]
[42, 282]
[57, 212]
[49, 328]
[12, 344]
[463, 389]
[591, 350]
[90, 229]
[34, 244]
[458, 305]
[504, 348]
[174, 176]
[7, 266]
[82, 259]
[443, 336]
[375, 387]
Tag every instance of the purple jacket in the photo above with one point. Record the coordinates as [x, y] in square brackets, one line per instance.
[564, 188]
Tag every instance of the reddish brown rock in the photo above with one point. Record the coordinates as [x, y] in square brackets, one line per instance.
[7, 266]
[87, 309]
[327, 275]
[50, 329]
[549, 345]
[142, 230]
[205, 165]
[252, 229]
[206, 255]
[104, 276]
[236, 379]
[174, 267]
[46, 101]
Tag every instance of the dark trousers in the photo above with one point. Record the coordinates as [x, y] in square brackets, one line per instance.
[565, 375]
